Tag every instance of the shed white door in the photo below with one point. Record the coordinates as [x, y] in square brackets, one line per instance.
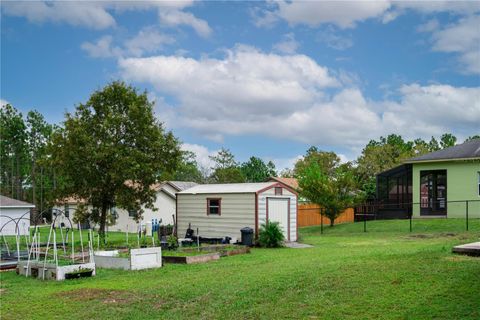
[278, 212]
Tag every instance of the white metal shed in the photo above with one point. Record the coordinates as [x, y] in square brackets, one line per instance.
[10, 211]
[220, 210]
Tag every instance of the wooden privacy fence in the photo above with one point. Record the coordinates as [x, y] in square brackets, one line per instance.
[309, 215]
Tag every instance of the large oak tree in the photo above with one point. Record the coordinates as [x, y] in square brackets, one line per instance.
[112, 149]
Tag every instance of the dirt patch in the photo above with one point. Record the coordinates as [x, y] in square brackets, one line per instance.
[102, 295]
[448, 234]
[458, 258]
[420, 236]
[396, 282]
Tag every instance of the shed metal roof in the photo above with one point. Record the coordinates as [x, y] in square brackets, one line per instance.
[228, 188]
[6, 202]
[465, 151]
[182, 185]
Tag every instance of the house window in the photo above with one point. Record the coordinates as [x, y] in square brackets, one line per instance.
[132, 213]
[278, 191]
[214, 206]
[67, 210]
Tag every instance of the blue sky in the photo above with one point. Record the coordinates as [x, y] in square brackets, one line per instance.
[261, 78]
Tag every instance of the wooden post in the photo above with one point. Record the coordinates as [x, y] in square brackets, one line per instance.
[466, 214]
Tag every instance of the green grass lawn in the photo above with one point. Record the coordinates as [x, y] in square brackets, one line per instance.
[386, 273]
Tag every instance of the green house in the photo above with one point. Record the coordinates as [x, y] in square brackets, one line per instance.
[445, 183]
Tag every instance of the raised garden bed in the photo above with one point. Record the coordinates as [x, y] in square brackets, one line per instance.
[136, 259]
[203, 254]
[223, 249]
[191, 259]
[51, 271]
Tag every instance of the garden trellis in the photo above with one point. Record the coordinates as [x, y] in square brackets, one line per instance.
[42, 260]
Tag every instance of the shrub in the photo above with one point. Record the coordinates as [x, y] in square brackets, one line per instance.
[172, 242]
[270, 235]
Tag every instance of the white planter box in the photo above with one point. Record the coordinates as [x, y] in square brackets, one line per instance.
[144, 258]
[50, 271]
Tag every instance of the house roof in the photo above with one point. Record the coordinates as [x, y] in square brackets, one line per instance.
[182, 185]
[6, 202]
[291, 182]
[465, 151]
[228, 188]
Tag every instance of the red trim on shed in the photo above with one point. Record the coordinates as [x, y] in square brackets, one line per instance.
[219, 206]
[278, 184]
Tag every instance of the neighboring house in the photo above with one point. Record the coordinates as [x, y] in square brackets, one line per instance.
[221, 210]
[437, 184]
[125, 220]
[10, 212]
[291, 182]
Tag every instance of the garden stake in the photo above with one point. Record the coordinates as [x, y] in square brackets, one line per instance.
[46, 251]
[6, 244]
[18, 245]
[63, 240]
[81, 242]
[73, 252]
[138, 238]
[55, 257]
[29, 253]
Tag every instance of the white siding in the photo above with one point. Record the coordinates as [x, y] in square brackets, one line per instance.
[164, 204]
[237, 212]
[14, 213]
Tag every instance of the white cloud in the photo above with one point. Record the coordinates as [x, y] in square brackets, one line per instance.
[347, 14]
[97, 14]
[89, 14]
[240, 95]
[285, 163]
[334, 40]
[463, 38]
[288, 45]
[175, 18]
[102, 48]
[429, 26]
[3, 102]
[202, 154]
[344, 14]
[242, 85]
[148, 40]
[431, 110]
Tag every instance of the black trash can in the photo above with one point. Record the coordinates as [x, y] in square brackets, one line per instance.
[247, 236]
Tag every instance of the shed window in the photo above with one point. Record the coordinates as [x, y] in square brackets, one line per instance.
[67, 210]
[132, 213]
[214, 206]
[278, 191]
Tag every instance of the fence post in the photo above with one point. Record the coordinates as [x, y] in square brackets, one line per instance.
[364, 221]
[410, 215]
[321, 221]
[466, 214]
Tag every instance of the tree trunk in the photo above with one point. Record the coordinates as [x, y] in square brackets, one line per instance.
[34, 184]
[103, 222]
[332, 222]
[19, 180]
